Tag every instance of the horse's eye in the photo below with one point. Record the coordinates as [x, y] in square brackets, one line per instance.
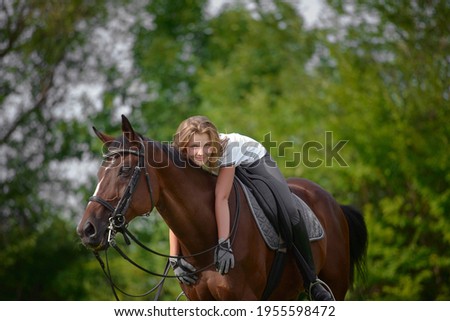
[124, 170]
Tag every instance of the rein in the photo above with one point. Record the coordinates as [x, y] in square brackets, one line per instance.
[117, 223]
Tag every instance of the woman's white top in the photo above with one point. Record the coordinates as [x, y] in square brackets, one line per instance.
[240, 150]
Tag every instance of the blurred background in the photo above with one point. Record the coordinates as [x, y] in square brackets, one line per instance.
[373, 73]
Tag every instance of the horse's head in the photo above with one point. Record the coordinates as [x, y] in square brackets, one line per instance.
[117, 198]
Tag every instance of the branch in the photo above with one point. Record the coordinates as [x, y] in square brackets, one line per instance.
[24, 116]
[15, 31]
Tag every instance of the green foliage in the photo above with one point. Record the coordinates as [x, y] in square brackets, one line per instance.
[167, 57]
[39, 248]
[394, 110]
[373, 78]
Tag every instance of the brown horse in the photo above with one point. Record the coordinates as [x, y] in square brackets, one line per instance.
[184, 196]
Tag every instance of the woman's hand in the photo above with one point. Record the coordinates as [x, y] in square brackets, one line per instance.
[223, 256]
[184, 271]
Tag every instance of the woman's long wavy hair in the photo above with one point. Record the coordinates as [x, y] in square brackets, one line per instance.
[199, 125]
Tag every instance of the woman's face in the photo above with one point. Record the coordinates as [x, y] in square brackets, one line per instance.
[199, 149]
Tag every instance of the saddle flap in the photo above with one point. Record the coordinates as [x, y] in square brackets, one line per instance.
[267, 229]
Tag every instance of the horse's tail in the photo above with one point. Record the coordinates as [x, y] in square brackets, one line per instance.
[358, 240]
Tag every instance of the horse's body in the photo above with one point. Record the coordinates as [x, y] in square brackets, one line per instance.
[184, 196]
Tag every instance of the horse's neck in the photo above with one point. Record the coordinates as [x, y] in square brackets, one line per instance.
[186, 203]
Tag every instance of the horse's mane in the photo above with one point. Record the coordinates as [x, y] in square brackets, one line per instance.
[174, 154]
[177, 158]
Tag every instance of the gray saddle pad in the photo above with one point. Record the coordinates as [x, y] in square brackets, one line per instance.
[268, 232]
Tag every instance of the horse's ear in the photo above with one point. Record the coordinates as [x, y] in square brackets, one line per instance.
[128, 130]
[103, 137]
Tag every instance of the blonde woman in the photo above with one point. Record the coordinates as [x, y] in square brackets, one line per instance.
[198, 139]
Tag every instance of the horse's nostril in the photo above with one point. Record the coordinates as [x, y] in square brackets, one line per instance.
[89, 229]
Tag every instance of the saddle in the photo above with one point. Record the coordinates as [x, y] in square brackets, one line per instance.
[269, 231]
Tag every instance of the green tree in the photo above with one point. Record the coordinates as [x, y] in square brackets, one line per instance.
[40, 53]
[374, 75]
[387, 91]
[167, 57]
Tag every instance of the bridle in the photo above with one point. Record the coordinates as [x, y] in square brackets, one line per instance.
[117, 223]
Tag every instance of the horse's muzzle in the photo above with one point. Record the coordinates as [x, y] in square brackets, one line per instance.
[91, 237]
